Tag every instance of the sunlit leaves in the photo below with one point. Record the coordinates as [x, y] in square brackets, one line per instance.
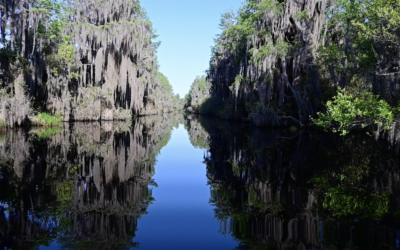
[239, 28]
[346, 112]
[65, 57]
[281, 49]
[369, 30]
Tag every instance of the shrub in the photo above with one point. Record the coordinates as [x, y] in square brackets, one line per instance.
[45, 119]
[346, 112]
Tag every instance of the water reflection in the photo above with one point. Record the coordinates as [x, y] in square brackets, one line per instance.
[286, 189]
[84, 187]
[87, 185]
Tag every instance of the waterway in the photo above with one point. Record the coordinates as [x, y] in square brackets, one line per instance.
[187, 182]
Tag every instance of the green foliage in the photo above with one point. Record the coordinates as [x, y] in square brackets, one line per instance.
[65, 56]
[143, 80]
[331, 54]
[200, 142]
[165, 83]
[374, 28]
[45, 119]
[51, 27]
[50, 31]
[160, 144]
[238, 28]
[342, 202]
[240, 79]
[48, 132]
[263, 52]
[197, 92]
[74, 75]
[202, 84]
[187, 98]
[281, 49]
[64, 191]
[199, 83]
[346, 112]
[228, 19]
[49, 7]
[370, 33]
[5, 94]
[267, 5]
[346, 190]
[301, 15]
[360, 39]
[176, 98]
[73, 169]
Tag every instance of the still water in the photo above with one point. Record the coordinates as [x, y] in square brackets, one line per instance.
[175, 182]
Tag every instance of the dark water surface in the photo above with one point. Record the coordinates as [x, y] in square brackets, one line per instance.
[177, 182]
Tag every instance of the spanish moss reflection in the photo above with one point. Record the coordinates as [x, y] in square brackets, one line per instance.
[84, 187]
[87, 186]
[287, 189]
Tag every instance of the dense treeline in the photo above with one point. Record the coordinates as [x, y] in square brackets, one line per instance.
[277, 62]
[79, 60]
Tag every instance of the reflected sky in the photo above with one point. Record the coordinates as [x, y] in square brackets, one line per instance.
[181, 210]
[252, 190]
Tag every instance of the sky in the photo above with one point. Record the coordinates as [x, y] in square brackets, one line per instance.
[186, 29]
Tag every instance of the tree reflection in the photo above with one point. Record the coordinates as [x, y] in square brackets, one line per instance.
[282, 189]
[83, 187]
[360, 179]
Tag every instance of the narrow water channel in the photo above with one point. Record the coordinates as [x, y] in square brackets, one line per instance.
[181, 216]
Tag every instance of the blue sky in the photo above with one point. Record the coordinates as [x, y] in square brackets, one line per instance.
[186, 29]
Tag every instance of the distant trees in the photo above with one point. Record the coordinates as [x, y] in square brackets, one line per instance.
[165, 82]
[198, 94]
